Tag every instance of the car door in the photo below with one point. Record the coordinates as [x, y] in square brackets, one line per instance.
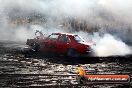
[50, 43]
[62, 43]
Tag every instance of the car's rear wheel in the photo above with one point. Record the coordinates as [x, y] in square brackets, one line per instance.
[72, 52]
[35, 46]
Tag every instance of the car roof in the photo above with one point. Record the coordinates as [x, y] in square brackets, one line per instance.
[64, 34]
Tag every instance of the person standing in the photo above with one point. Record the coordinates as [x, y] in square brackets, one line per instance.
[81, 78]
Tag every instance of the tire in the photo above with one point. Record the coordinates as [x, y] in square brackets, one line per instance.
[72, 53]
[35, 47]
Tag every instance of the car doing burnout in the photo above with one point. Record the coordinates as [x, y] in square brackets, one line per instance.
[68, 44]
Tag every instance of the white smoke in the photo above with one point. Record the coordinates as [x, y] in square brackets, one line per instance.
[95, 12]
[106, 45]
[112, 15]
[121, 9]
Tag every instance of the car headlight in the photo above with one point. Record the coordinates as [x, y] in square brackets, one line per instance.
[89, 49]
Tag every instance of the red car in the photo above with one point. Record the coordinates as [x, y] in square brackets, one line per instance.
[71, 45]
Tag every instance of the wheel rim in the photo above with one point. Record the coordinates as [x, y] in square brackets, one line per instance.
[71, 53]
[35, 47]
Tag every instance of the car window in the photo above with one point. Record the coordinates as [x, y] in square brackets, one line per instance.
[78, 38]
[63, 38]
[53, 36]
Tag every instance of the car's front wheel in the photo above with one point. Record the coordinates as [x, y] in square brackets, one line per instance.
[72, 52]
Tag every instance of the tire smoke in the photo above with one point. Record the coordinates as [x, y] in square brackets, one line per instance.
[112, 18]
[106, 44]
